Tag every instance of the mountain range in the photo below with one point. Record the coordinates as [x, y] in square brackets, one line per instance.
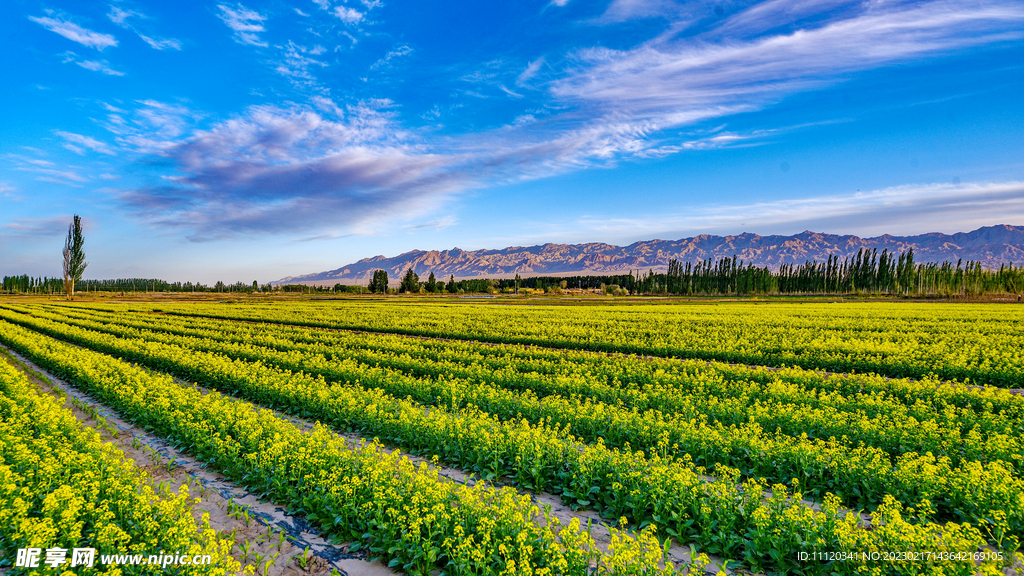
[991, 245]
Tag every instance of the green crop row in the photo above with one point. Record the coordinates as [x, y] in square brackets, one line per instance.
[987, 409]
[977, 488]
[982, 343]
[920, 396]
[62, 487]
[403, 512]
[961, 434]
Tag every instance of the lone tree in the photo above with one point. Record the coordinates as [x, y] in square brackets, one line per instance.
[74, 257]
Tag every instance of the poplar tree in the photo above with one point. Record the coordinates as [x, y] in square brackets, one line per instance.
[74, 256]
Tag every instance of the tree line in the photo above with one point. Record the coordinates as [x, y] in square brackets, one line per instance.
[45, 285]
[866, 272]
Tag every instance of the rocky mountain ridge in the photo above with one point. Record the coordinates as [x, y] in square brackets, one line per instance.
[991, 245]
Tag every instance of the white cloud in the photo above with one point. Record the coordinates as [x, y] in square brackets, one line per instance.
[118, 16]
[325, 104]
[244, 22]
[348, 15]
[768, 15]
[275, 170]
[76, 33]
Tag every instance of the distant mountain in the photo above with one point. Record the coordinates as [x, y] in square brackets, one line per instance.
[992, 245]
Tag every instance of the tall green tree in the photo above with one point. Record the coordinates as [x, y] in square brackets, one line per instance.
[74, 256]
[410, 282]
[379, 282]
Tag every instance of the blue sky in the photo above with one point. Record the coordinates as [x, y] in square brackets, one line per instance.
[236, 141]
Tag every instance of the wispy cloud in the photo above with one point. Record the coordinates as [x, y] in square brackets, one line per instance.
[244, 22]
[161, 43]
[669, 82]
[54, 175]
[38, 227]
[76, 141]
[100, 66]
[121, 17]
[683, 77]
[47, 170]
[439, 224]
[296, 62]
[61, 25]
[398, 52]
[152, 127]
[622, 10]
[531, 70]
[504, 89]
